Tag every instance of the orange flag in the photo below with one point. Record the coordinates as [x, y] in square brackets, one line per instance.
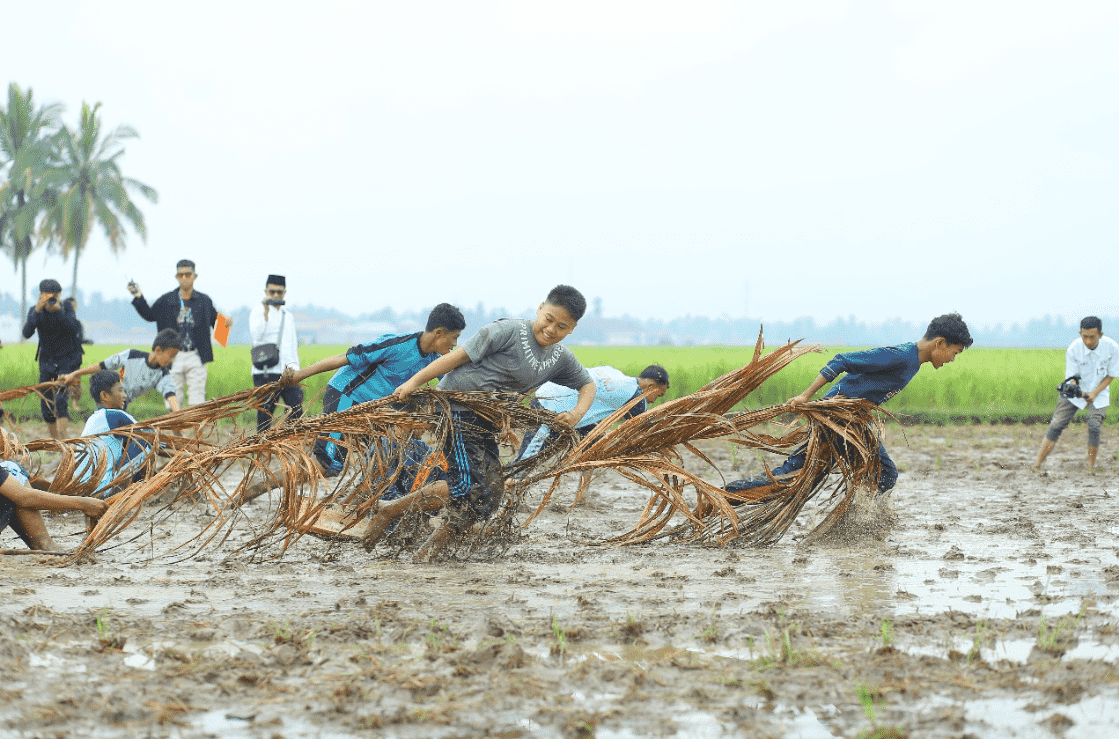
[221, 331]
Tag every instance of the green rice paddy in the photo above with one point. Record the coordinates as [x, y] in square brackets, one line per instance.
[982, 385]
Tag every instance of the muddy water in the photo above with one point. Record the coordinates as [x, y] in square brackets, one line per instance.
[987, 609]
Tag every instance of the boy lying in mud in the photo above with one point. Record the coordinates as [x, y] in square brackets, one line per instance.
[20, 503]
[875, 375]
[509, 355]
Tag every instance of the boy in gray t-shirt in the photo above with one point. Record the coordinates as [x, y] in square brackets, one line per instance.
[512, 356]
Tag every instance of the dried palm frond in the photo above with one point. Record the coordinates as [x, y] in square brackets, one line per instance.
[20, 392]
[644, 450]
[372, 433]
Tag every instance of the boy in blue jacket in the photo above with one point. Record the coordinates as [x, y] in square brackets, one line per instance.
[373, 371]
[875, 375]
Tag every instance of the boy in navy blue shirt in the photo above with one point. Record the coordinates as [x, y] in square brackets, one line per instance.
[373, 371]
[875, 375]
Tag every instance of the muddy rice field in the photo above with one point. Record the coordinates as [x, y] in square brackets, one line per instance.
[985, 607]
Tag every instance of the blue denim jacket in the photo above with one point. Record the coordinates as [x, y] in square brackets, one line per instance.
[875, 374]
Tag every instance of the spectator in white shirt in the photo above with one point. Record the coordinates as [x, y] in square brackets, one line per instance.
[271, 323]
[1091, 363]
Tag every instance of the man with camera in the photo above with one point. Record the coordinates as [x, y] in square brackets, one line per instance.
[1091, 362]
[275, 348]
[59, 352]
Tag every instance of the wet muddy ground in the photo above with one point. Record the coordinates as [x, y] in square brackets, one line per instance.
[988, 609]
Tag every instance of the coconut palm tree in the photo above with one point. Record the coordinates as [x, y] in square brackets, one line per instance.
[25, 152]
[87, 188]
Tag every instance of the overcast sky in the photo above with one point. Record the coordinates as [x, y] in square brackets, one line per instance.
[768, 159]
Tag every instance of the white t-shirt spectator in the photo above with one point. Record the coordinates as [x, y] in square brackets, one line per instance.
[1093, 365]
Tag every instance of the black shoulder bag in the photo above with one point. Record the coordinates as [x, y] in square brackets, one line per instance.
[266, 356]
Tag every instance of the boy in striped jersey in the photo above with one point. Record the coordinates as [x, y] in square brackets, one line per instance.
[373, 371]
[121, 454]
[142, 370]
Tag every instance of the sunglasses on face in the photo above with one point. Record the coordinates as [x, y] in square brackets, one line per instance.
[184, 274]
[276, 292]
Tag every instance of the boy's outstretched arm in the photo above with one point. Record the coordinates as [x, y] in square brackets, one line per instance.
[806, 396]
[72, 377]
[582, 405]
[293, 377]
[440, 366]
[25, 497]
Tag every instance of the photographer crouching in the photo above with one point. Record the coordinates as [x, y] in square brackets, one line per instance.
[274, 347]
[1091, 362]
[59, 352]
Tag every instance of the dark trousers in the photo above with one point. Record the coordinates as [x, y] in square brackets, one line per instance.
[331, 456]
[474, 473]
[292, 396]
[54, 402]
[795, 462]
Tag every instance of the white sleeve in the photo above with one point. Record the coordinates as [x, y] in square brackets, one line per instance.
[257, 324]
[1072, 367]
[289, 343]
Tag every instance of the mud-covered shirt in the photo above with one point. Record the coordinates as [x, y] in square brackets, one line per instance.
[875, 374]
[506, 357]
[139, 376]
[613, 389]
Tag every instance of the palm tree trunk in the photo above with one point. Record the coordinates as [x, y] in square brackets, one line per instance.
[23, 298]
[74, 285]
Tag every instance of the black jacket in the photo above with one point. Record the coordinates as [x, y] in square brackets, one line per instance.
[165, 313]
[60, 343]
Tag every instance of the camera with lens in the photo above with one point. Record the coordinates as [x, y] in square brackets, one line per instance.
[1070, 388]
[274, 302]
[52, 300]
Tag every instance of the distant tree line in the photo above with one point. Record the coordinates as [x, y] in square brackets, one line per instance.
[1043, 332]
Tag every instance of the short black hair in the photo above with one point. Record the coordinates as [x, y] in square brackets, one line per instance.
[656, 373]
[568, 298]
[168, 338]
[445, 316]
[184, 263]
[102, 382]
[1092, 322]
[951, 328]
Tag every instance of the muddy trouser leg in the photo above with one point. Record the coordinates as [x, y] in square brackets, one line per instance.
[331, 456]
[1061, 418]
[8, 517]
[889, 476]
[54, 402]
[264, 413]
[474, 468]
[1096, 417]
[793, 464]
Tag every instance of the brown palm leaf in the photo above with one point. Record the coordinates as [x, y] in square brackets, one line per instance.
[643, 450]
